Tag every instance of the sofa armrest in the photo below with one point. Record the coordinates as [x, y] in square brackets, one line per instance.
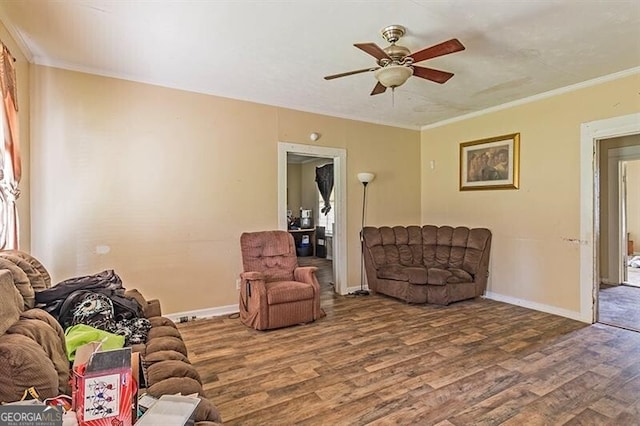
[150, 308]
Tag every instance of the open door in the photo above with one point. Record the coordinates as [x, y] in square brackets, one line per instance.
[623, 238]
[339, 239]
[592, 135]
[630, 220]
[618, 301]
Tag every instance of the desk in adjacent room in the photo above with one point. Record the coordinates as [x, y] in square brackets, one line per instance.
[297, 237]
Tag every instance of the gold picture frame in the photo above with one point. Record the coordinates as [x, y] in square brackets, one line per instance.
[491, 163]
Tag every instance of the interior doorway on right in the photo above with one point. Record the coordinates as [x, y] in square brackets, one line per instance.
[619, 259]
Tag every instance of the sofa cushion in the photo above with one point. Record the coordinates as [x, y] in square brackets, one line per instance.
[392, 272]
[416, 274]
[459, 276]
[140, 348]
[11, 302]
[163, 331]
[45, 336]
[174, 385]
[438, 276]
[39, 314]
[411, 274]
[35, 263]
[161, 321]
[35, 278]
[21, 281]
[160, 356]
[207, 412]
[163, 370]
[166, 343]
[23, 364]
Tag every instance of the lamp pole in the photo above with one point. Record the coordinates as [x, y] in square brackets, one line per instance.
[365, 178]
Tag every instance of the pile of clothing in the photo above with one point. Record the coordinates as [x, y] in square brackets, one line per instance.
[97, 301]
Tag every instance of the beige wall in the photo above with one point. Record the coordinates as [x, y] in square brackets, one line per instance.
[167, 180]
[22, 76]
[294, 191]
[536, 229]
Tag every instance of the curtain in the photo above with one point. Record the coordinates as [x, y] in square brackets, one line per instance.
[10, 166]
[324, 179]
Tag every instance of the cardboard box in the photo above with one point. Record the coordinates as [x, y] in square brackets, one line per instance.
[103, 387]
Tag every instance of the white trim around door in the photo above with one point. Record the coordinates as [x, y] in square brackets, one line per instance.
[590, 135]
[339, 156]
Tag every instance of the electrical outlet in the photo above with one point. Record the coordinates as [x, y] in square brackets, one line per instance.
[238, 283]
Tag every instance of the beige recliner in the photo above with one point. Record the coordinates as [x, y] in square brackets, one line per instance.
[274, 291]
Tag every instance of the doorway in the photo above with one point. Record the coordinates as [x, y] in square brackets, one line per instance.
[591, 134]
[339, 240]
[631, 220]
[619, 214]
[618, 298]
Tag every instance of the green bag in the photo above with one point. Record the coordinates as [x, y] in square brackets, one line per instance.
[81, 334]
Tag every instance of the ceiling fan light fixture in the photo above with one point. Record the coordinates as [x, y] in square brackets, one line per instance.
[393, 75]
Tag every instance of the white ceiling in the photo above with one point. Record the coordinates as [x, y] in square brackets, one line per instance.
[277, 52]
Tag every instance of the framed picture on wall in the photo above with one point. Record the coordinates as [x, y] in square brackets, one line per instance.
[492, 163]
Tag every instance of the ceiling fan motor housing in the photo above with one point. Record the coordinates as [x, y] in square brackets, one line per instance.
[397, 53]
[392, 33]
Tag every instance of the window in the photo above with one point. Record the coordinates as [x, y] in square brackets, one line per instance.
[10, 165]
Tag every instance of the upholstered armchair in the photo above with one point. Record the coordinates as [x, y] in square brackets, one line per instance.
[274, 291]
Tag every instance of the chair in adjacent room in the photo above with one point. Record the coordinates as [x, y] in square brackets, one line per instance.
[274, 291]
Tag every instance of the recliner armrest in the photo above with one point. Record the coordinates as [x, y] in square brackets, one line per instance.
[305, 274]
[252, 276]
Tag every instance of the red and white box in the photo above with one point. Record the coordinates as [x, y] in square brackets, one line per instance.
[103, 387]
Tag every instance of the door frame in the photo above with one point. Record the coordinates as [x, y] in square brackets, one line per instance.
[622, 218]
[590, 135]
[617, 243]
[339, 156]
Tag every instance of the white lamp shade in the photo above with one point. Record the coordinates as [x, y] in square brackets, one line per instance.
[393, 75]
[366, 177]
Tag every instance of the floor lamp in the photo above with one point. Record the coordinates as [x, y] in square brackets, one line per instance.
[364, 178]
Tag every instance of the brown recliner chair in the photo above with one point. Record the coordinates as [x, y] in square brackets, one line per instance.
[274, 291]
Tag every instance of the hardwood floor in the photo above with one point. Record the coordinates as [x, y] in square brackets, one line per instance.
[619, 306]
[377, 361]
[325, 270]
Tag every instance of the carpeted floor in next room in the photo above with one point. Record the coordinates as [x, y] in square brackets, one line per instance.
[619, 306]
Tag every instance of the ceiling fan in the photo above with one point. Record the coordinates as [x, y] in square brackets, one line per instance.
[396, 63]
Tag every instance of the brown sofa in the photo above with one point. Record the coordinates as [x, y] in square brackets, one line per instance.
[427, 264]
[33, 350]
